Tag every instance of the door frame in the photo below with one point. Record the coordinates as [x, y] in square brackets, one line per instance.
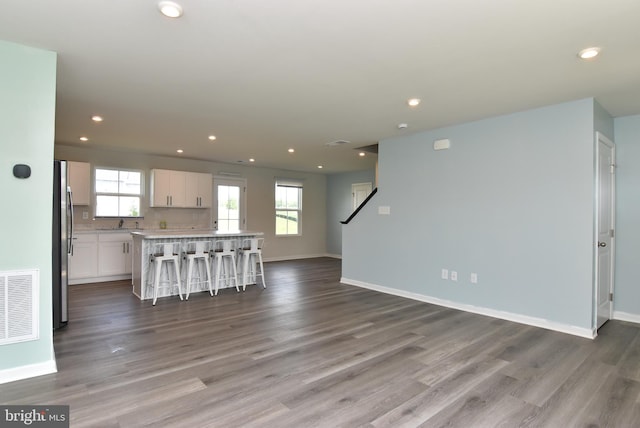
[230, 181]
[353, 193]
[600, 138]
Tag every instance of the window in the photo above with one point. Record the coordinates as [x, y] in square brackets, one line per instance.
[288, 207]
[118, 193]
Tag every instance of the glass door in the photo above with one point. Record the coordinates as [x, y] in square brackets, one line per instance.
[229, 195]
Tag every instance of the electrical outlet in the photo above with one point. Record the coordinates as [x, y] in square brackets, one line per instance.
[85, 215]
[454, 275]
[474, 278]
[444, 274]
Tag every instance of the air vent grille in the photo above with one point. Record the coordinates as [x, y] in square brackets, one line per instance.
[338, 143]
[18, 306]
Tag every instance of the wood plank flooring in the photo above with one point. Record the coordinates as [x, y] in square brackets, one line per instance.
[311, 352]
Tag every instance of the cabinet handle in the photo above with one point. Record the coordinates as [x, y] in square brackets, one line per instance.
[167, 200]
[123, 247]
[171, 199]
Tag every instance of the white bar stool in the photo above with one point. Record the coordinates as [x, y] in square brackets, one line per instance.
[224, 253]
[195, 253]
[163, 252]
[251, 255]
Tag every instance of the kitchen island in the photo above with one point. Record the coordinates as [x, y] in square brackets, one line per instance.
[143, 240]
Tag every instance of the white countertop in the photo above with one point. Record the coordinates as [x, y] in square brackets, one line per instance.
[189, 233]
[88, 231]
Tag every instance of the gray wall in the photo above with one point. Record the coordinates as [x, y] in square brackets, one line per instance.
[627, 280]
[339, 202]
[260, 197]
[511, 200]
[27, 115]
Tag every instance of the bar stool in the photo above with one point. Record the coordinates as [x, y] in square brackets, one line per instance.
[197, 253]
[160, 253]
[225, 260]
[250, 255]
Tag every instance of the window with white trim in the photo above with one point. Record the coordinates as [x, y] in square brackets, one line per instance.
[288, 207]
[118, 192]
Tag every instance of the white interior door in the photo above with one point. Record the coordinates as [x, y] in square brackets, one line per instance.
[605, 189]
[359, 192]
[229, 196]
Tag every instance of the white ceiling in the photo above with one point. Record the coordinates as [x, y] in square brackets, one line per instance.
[267, 75]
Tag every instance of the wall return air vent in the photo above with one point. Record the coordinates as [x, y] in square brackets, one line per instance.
[19, 306]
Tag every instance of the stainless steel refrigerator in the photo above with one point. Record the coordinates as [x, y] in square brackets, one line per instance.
[62, 242]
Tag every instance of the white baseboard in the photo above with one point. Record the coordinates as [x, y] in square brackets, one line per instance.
[509, 316]
[625, 316]
[99, 279]
[296, 257]
[25, 372]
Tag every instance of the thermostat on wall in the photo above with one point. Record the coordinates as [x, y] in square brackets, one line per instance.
[441, 144]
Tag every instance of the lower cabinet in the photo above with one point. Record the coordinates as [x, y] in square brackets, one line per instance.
[83, 260]
[115, 254]
[100, 256]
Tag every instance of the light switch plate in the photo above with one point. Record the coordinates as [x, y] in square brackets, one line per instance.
[441, 144]
[454, 275]
[384, 210]
[85, 215]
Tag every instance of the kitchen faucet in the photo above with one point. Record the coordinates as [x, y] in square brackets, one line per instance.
[120, 223]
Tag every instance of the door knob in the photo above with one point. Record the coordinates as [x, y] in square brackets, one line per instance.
[602, 244]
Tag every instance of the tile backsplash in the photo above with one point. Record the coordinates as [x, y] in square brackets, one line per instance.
[175, 218]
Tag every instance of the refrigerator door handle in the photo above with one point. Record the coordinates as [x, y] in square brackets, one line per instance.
[70, 212]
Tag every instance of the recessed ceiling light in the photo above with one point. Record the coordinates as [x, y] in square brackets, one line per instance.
[320, 166]
[180, 151]
[413, 102]
[361, 154]
[97, 118]
[402, 126]
[84, 139]
[212, 137]
[291, 150]
[589, 53]
[252, 160]
[170, 9]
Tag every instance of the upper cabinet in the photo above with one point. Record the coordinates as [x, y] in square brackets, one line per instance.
[180, 189]
[79, 179]
[167, 188]
[199, 188]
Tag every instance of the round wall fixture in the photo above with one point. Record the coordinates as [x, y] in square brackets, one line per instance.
[21, 171]
[170, 9]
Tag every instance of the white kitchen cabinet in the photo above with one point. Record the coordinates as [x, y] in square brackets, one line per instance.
[198, 190]
[167, 188]
[114, 249]
[180, 189]
[79, 179]
[83, 261]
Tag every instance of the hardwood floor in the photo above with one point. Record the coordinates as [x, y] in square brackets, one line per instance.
[308, 351]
